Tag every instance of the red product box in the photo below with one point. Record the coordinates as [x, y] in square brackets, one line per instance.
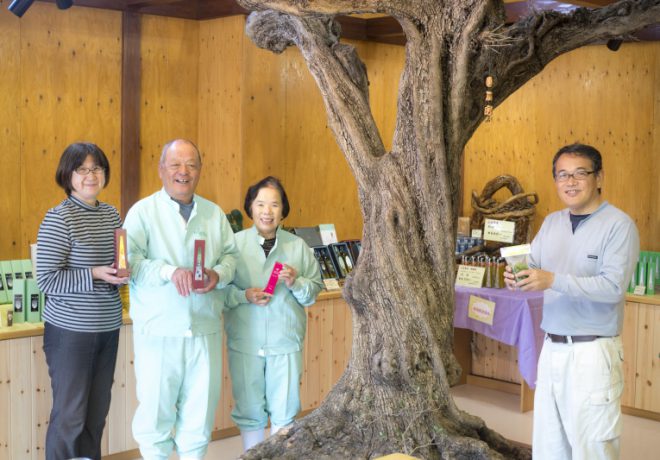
[198, 264]
[274, 276]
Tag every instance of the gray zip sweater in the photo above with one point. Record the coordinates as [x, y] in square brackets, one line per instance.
[592, 268]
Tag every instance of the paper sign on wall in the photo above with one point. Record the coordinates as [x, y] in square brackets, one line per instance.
[499, 230]
[470, 276]
[328, 233]
[481, 310]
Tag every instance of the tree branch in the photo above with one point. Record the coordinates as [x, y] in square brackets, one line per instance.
[463, 58]
[328, 7]
[339, 73]
[539, 39]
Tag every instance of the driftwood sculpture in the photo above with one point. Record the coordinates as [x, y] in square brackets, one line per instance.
[519, 207]
[394, 395]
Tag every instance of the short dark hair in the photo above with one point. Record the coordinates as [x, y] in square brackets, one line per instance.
[253, 191]
[581, 150]
[73, 157]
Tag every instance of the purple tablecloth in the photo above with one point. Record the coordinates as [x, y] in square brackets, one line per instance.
[516, 322]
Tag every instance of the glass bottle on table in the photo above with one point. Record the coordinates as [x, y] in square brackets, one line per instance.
[347, 261]
[329, 267]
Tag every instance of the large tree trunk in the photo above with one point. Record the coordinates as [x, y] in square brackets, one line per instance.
[394, 395]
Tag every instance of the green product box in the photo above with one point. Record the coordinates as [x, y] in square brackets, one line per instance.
[17, 269]
[27, 269]
[652, 272]
[19, 301]
[8, 278]
[3, 289]
[32, 301]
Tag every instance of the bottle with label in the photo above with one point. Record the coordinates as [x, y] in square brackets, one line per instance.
[347, 261]
[324, 270]
[342, 267]
[501, 268]
[641, 272]
[633, 281]
[483, 262]
[650, 277]
[329, 267]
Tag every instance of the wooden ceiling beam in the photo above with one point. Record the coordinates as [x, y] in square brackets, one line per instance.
[377, 29]
[212, 9]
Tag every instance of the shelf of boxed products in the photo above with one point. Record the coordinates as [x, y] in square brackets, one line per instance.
[35, 329]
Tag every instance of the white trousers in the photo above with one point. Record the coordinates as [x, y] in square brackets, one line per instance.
[577, 403]
[178, 389]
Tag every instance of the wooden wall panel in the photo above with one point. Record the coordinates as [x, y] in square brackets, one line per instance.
[654, 210]
[11, 244]
[114, 435]
[590, 95]
[70, 73]
[312, 364]
[170, 52]
[319, 182]
[131, 395]
[264, 118]
[5, 399]
[223, 414]
[326, 381]
[220, 99]
[341, 350]
[285, 132]
[60, 84]
[42, 398]
[20, 393]
[629, 338]
[647, 385]
[384, 65]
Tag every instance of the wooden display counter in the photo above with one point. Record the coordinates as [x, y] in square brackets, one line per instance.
[492, 364]
[502, 353]
[641, 363]
[25, 394]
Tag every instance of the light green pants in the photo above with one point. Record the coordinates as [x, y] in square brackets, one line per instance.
[178, 389]
[263, 387]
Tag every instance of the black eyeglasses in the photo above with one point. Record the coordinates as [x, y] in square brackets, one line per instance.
[83, 171]
[580, 174]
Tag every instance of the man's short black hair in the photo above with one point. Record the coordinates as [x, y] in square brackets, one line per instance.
[73, 157]
[253, 191]
[581, 150]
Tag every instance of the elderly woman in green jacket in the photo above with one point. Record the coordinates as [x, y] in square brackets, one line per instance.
[265, 331]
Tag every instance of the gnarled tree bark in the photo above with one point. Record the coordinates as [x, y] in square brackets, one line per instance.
[394, 395]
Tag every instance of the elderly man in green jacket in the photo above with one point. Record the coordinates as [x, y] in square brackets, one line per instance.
[177, 329]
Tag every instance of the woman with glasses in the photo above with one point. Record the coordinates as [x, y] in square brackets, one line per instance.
[83, 311]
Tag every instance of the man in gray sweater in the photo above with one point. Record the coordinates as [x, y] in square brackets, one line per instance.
[582, 258]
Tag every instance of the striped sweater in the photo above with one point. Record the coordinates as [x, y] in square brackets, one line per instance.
[73, 238]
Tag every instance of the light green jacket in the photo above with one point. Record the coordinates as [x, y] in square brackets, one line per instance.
[159, 241]
[279, 327]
